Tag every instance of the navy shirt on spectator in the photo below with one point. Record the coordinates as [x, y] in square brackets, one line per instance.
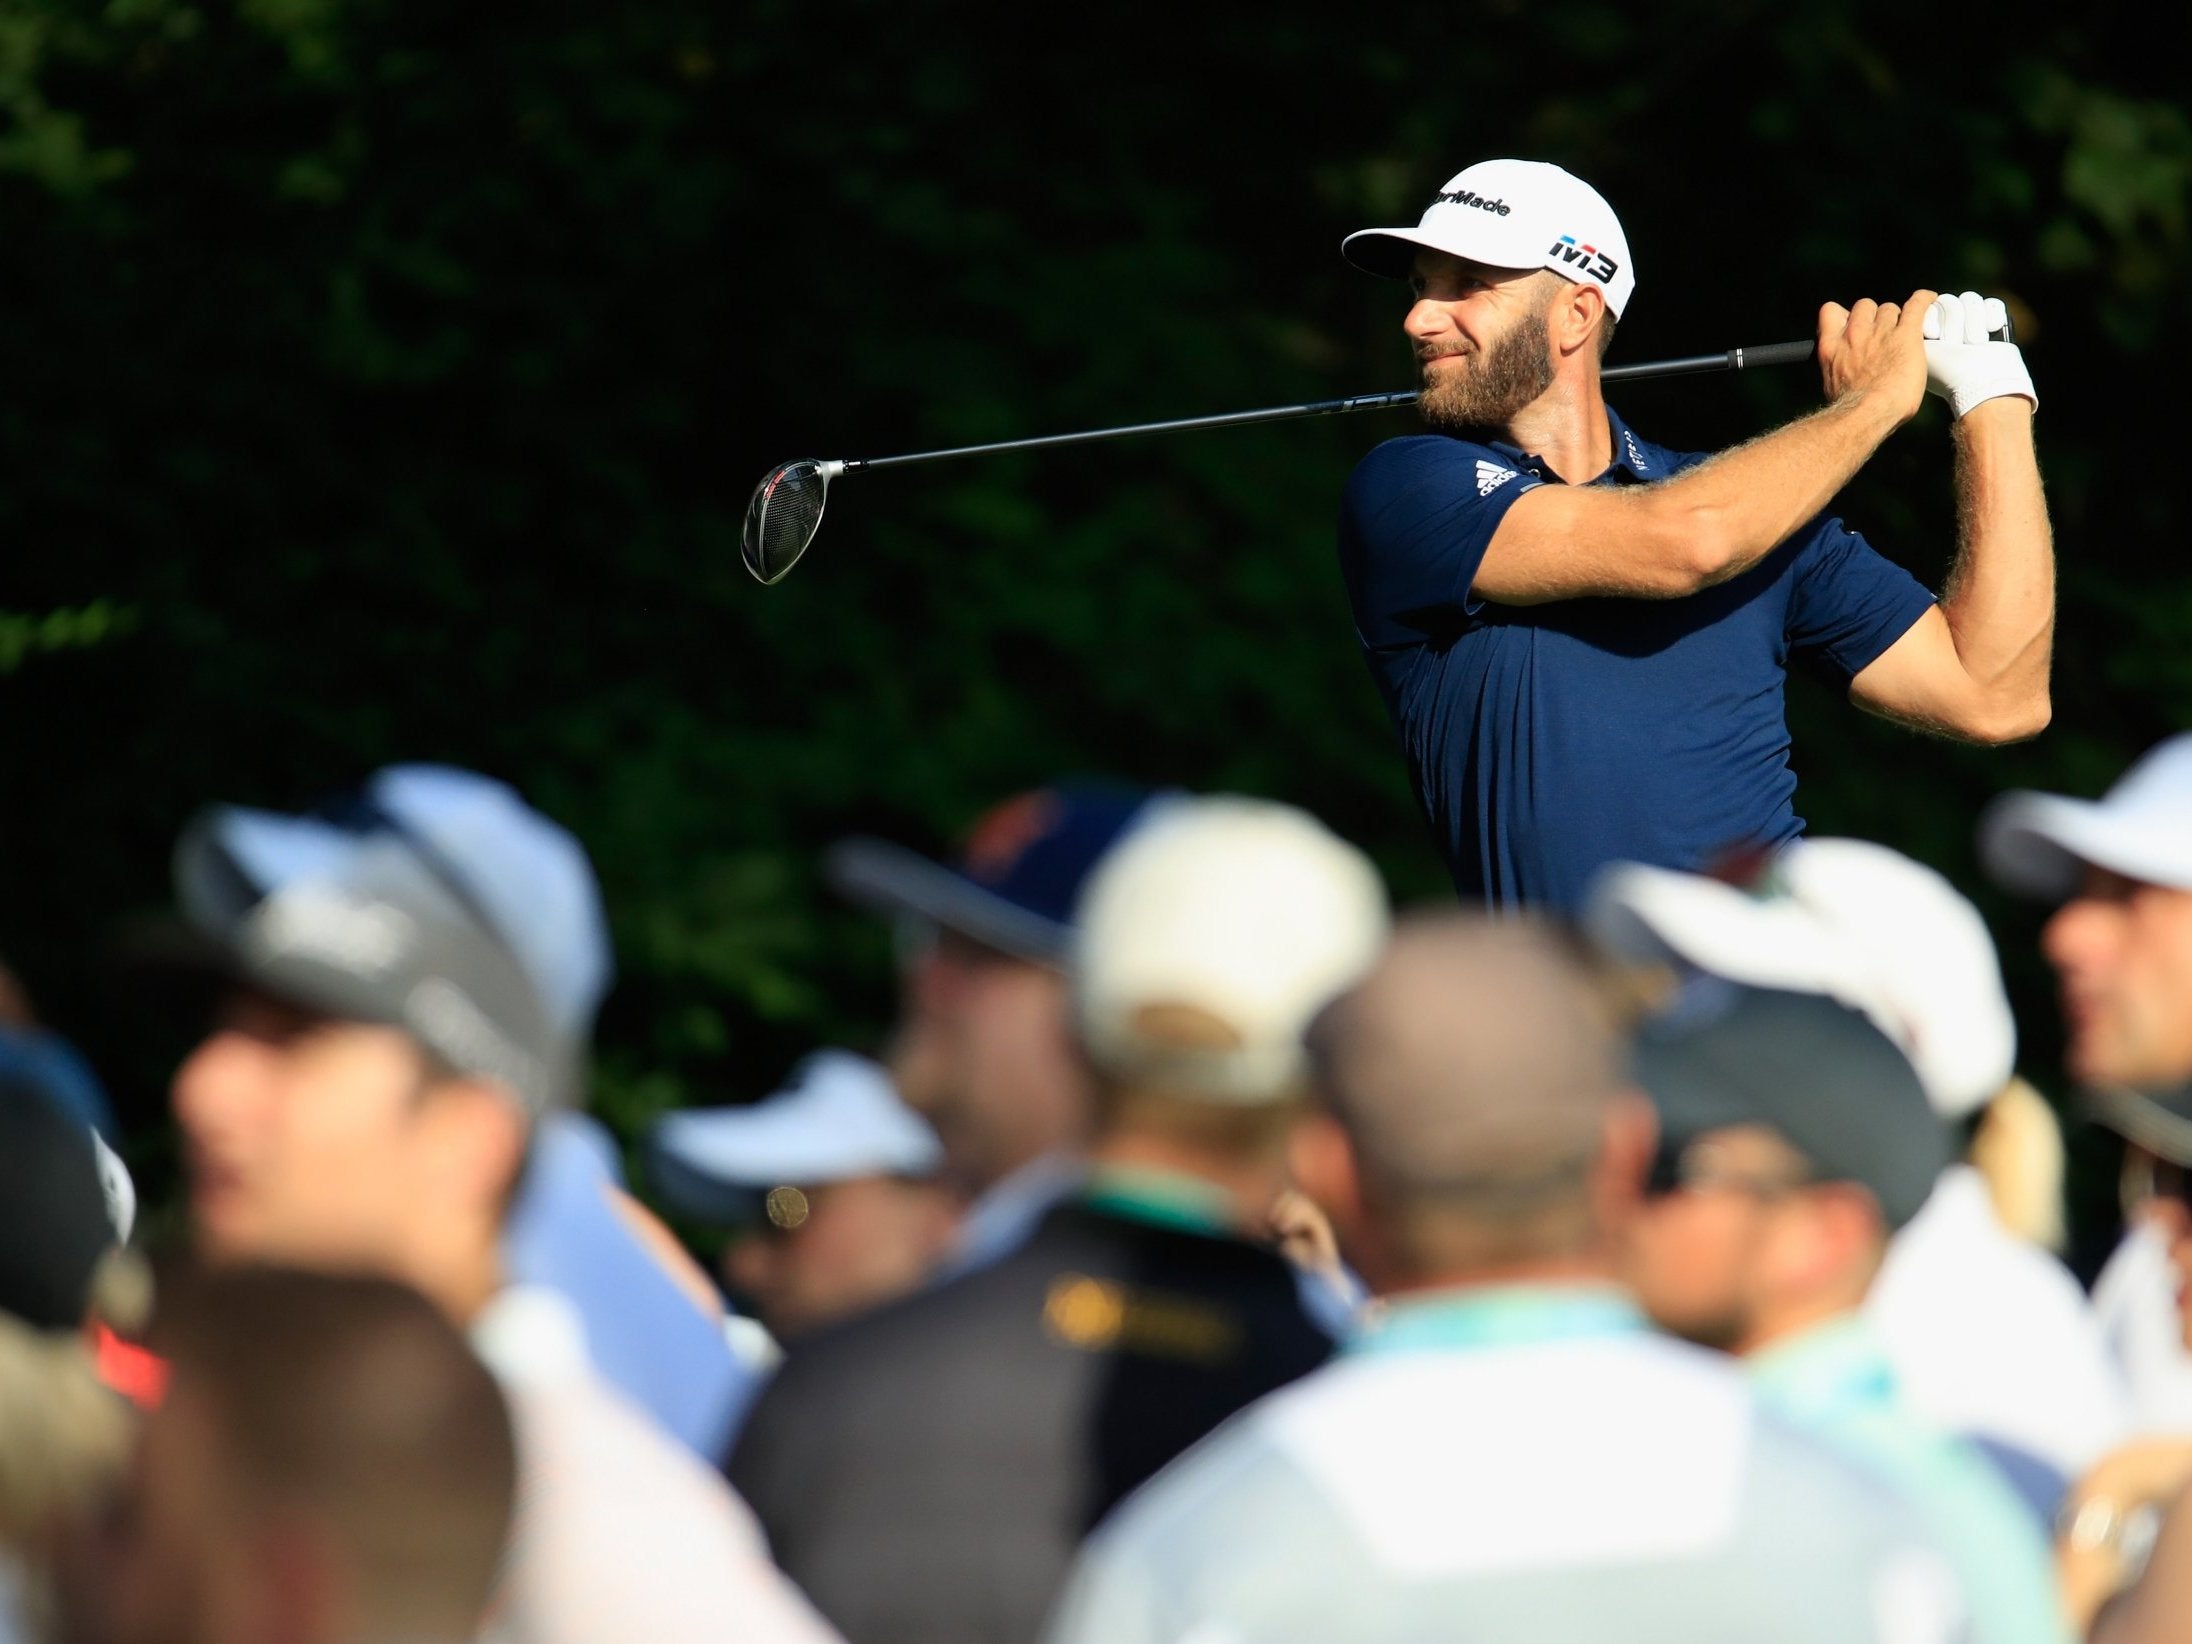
[1547, 740]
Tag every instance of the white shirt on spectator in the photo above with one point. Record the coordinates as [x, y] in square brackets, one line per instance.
[620, 1536]
[1991, 1336]
[2136, 1299]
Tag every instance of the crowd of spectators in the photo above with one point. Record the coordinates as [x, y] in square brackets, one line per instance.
[1207, 1253]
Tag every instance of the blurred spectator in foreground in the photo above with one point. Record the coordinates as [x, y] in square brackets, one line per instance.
[831, 1186]
[64, 1281]
[1796, 1138]
[832, 1183]
[1988, 1334]
[2121, 945]
[35, 1052]
[651, 1320]
[1505, 1451]
[330, 1465]
[984, 1047]
[926, 1472]
[364, 1102]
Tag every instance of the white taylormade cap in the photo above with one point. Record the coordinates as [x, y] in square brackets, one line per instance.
[1511, 214]
[1855, 921]
[2039, 843]
[1211, 936]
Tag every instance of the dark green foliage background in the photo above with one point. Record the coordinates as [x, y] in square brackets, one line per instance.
[386, 380]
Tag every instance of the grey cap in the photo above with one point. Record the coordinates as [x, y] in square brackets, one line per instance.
[373, 936]
[1816, 1072]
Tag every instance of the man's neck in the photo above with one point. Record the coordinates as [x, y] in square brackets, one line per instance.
[1567, 427]
[1250, 1187]
[1580, 1271]
[1776, 1325]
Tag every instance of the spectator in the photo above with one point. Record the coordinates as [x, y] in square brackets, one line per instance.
[2121, 945]
[1797, 1138]
[63, 1434]
[833, 1182]
[927, 1471]
[1989, 1336]
[1507, 1452]
[984, 1043]
[329, 1465]
[651, 1328]
[364, 1103]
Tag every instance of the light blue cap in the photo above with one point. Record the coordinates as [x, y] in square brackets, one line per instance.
[524, 877]
[836, 1118]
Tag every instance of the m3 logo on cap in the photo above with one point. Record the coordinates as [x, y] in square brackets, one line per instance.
[1462, 196]
[1595, 262]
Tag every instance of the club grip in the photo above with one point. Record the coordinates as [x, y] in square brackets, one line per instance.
[1788, 353]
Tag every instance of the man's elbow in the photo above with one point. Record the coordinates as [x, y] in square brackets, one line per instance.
[1996, 724]
[1696, 552]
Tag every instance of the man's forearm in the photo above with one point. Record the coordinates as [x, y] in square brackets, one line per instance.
[2000, 594]
[1748, 500]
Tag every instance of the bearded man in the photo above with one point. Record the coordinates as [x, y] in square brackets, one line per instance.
[1582, 637]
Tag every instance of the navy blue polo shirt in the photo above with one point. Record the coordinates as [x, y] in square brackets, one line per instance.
[1548, 740]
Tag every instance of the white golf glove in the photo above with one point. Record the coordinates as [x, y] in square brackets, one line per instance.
[1965, 365]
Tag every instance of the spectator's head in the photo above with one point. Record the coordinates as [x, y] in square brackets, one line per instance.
[412, 977]
[63, 1435]
[984, 1044]
[2121, 942]
[833, 1185]
[331, 1463]
[1209, 939]
[1476, 1124]
[1842, 917]
[1795, 1138]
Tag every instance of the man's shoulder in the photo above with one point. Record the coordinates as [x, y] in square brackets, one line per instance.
[1415, 456]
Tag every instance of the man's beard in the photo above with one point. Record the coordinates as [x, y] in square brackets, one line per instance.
[1492, 389]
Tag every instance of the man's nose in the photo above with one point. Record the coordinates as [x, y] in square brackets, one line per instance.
[1427, 319]
[214, 1082]
[2077, 936]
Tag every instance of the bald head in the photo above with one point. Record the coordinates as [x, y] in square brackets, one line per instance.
[1473, 1071]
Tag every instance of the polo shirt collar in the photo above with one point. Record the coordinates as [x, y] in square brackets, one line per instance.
[1505, 1315]
[1636, 459]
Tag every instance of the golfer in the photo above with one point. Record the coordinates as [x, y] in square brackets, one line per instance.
[1582, 637]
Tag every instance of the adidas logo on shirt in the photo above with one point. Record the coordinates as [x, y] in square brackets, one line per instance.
[1490, 477]
[1636, 457]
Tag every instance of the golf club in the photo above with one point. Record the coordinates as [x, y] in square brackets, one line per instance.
[785, 509]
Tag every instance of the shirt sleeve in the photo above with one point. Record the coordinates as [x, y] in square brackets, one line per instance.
[1849, 602]
[1416, 519]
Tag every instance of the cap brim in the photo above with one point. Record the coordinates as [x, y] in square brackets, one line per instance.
[2040, 845]
[1390, 253]
[891, 879]
[2160, 1126]
[1649, 915]
[703, 1155]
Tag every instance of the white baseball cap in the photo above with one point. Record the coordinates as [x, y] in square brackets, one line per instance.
[1855, 921]
[2039, 844]
[1211, 936]
[1511, 214]
[837, 1117]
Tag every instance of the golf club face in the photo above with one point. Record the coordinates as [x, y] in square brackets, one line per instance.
[782, 516]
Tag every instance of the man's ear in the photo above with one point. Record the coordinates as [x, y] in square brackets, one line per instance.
[1835, 1248]
[1574, 323]
[1628, 1139]
[1321, 1161]
[479, 1142]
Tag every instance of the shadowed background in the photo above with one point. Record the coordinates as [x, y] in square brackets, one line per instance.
[382, 379]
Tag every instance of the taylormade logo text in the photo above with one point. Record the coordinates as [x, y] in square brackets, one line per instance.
[1462, 196]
